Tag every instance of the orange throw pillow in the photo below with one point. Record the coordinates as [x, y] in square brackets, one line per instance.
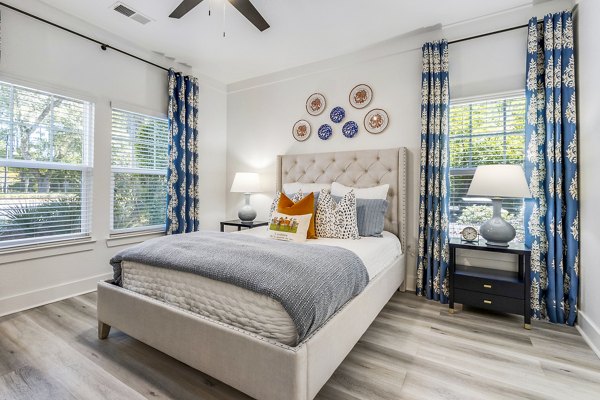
[302, 207]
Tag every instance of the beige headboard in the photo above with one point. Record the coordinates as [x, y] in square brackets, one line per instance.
[361, 168]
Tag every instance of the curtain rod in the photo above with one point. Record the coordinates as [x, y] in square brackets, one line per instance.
[491, 33]
[103, 46]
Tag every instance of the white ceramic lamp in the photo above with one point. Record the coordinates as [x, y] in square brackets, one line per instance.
[498, 182]
[247, 183]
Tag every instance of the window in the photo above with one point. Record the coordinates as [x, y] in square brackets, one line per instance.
[139, 171]
[484, 131]
[45, 166]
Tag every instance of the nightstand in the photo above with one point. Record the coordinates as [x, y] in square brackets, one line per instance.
[241, 224]
[488, 288]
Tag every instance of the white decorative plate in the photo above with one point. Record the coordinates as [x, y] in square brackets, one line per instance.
[376, 121]
[301, 130]
[315, 104]
[361, 96]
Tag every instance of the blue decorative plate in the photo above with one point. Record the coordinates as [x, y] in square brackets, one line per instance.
[337, 114]
[350, 129]
[325, 131]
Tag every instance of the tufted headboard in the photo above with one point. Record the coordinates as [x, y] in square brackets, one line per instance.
[361, 168]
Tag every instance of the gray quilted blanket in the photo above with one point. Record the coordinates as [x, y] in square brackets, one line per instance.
[310, 281]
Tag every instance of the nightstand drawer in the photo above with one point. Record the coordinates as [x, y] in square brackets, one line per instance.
[489, 301]
[490, 286]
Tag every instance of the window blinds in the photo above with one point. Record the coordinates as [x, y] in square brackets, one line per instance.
[45, 166]
[139, 171]
[484, 131]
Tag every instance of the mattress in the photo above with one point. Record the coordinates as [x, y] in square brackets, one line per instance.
[240, 307]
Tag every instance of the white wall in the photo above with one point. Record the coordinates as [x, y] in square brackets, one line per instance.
[261, 111]
[40, 56]
[588, 87]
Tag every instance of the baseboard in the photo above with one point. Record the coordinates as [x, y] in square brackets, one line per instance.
[36, 298]
[589, 331]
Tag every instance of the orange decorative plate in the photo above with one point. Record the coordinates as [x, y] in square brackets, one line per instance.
[315, 104]
[360, 96]
[301, 130]
[376, 121]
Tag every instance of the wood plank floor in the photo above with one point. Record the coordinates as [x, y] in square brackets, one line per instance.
[413, 350]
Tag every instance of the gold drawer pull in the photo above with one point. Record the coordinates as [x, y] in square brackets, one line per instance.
[487, 301]
[487, 286]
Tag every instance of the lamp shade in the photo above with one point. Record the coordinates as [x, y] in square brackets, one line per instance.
[499, 181]
[245, 182]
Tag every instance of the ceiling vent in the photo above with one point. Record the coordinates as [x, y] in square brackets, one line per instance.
[130, 13]
[140, 18]
[122, 9]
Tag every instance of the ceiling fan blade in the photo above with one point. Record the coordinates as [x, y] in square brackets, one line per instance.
[184, 8]
[251, 13]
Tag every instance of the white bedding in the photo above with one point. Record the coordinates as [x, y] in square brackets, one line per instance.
[376, 253]
[239, 307]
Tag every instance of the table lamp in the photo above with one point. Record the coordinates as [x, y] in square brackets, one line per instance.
[247, 183]
[498, 182]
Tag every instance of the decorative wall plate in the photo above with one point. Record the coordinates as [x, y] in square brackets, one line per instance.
[325, 131]
[315, 104]
[376, 121]
[337, 115]
[301, 130]
[360, 96]
[350, 129]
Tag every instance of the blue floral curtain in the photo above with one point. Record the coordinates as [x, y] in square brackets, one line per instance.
[552, 216]
[182, 175]
[432, 262]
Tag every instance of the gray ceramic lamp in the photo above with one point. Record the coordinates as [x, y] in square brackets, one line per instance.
[247, 183]
[498, 182]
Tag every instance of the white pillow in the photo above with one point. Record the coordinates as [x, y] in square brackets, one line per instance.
[290, 228]
[304, 187]
[375, 192]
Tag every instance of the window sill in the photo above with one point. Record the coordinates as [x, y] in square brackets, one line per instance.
[122, 239]
[48, 249]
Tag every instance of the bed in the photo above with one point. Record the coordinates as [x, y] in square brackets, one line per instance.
[264, 360]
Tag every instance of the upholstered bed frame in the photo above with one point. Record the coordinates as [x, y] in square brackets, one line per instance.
[361, 168]
[263, 368]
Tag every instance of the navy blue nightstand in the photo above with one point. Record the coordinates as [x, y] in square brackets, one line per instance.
[492, 289]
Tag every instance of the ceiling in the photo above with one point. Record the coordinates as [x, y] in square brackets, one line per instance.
[302, 31]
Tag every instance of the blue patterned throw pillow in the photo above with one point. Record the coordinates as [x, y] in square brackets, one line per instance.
[370, 215]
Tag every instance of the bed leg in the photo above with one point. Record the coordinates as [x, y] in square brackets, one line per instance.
[402, 287]
[103, 330]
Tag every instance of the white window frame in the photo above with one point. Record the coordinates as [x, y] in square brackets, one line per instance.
[474, 99]
[143, 171]
[86, 168]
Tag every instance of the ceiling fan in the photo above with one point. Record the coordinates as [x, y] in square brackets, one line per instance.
[243, 6]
